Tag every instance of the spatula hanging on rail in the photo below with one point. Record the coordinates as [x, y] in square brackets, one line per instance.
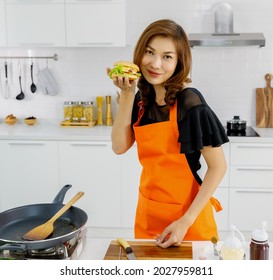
[44, 230]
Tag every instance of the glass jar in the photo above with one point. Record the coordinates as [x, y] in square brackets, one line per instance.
[77, 111]
[88, 112]
[68, 110]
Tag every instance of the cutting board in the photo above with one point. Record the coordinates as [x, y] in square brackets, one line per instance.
[264, 104]
[147, 250]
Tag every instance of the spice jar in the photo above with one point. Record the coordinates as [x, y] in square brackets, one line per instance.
[68, 110]
[77, 111]
[259, 247]
[88, 113]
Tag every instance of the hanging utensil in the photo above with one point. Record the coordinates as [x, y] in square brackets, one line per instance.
[43, 231]
[32, 86]
[7, 89]
[21, 95]
[1, 88]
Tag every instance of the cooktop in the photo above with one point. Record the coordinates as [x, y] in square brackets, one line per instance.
[249, 132]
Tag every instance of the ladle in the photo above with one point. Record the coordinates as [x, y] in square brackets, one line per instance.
[32, 86]
[44, 230]
[21, 95]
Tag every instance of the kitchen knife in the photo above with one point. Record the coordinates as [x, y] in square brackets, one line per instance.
[129, 252]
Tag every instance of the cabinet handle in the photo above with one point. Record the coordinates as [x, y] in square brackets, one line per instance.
[89, 144]
[95, 44]
[26, 143]
[101, 1]
[254, 191]
[255, 146]
[255, 168]
[36, 44]
[33, 1]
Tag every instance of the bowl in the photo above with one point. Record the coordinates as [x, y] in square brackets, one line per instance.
[30, 121]
[11, 120]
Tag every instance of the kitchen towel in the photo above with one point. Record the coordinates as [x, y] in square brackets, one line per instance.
[47, 82]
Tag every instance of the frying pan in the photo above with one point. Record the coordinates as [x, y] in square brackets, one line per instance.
[14, 223]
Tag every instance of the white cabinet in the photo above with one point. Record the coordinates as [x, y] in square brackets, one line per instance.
[29, 172]
[3, 34]
[251, 185]
[35, 23]
[92, 23]
[60, 23]
[250, 206]
[130, 177]
[93, 168]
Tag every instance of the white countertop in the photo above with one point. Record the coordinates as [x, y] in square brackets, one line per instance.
[52, 130]
[96, 248]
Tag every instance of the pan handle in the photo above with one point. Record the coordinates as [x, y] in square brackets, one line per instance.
[61, 194]
[14, 247]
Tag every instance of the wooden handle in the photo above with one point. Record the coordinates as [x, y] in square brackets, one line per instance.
[123, 243]
[66, 206]
[268, 77]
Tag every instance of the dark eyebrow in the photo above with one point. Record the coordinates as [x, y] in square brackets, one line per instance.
[168, 52]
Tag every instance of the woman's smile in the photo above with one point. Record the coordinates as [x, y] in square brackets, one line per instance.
[153, 73]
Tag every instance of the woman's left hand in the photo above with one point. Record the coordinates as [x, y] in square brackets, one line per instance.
[173, 235]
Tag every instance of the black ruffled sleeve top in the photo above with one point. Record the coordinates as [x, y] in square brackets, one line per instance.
[198, 125]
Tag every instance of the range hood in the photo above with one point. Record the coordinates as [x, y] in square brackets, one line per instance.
[224, 35]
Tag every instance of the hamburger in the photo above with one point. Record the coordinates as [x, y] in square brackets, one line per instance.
[125, 69]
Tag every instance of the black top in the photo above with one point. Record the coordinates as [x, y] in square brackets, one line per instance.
[197, 123]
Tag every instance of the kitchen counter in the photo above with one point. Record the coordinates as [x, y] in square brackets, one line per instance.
[95, 249]
[52, 130]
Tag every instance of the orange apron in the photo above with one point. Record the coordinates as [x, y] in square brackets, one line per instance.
[167, 185]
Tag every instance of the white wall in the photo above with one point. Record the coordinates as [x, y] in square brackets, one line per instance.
[227, 77]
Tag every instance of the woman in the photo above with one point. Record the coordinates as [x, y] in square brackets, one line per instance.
[172, 125]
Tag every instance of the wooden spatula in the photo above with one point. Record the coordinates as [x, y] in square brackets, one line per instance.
[43, 231]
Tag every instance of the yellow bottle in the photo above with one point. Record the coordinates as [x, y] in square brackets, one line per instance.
[99, 100]
[109, 119]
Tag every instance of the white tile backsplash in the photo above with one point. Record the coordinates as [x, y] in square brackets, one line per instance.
[228, 77]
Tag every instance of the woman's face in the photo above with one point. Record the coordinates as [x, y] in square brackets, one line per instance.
[159, 61]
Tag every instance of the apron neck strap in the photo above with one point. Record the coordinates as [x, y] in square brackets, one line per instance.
[173, 112]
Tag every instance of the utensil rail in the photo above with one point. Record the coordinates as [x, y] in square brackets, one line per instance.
[54, 57]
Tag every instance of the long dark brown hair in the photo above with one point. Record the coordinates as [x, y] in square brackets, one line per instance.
[169, 29]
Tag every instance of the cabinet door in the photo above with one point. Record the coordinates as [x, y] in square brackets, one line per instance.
[3, 34]
[35, 23]
[130, 176]
[98, 23]
[251, 176]
[93, 168]
[29, 172]
[251, 154]
[249, 207]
